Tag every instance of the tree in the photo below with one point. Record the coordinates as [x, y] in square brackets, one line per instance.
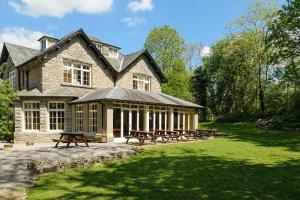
[199, 86]
[7, 97]
[255, 21]
[167, 46]
[284, 39]
[192, 56]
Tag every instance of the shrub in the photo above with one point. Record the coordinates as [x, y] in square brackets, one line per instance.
[7, 97]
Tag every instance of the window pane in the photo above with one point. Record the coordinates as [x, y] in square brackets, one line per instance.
[32, 115]
[86, 78]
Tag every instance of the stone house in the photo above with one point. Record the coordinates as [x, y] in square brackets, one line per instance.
[81, 84]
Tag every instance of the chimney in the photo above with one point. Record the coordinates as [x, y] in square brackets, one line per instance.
[47, 42]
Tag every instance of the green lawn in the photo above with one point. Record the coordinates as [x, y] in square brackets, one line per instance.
[248, 164]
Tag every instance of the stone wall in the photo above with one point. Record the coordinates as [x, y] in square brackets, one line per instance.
[76, 50]
[35, 75]
[142, 66]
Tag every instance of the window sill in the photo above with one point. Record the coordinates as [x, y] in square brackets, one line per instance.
[78, 86]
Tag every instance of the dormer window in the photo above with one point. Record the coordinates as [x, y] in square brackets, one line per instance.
[113, 52]
[47, 42]
[43, 45]
[141, 82]
[98, 46]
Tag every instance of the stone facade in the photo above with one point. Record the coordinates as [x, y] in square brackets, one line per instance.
[142, 66]
[46, 73]
[76, 50]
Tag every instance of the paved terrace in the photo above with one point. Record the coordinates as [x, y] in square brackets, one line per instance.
[21, 165]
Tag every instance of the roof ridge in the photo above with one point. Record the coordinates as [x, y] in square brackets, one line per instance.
[140, 51]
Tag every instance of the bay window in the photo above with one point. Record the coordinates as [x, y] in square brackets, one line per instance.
[32, 115]
[77, 74]
[57, 115]
[141, 82]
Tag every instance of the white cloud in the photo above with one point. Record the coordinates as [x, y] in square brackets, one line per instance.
[133, 21]
[140, 5]
[20, 36]
[59, 8]
[205, 51]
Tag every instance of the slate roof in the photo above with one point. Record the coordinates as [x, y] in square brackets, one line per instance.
[130, 95]
[124, 61]
[61, 91]
[20, 54]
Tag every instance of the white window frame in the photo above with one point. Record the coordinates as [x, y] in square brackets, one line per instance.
[141, 81]
[93, 118]
[31, 110]
[80, 127]
[72, 68]
[12, 77]
[113, 52]
[56, 110]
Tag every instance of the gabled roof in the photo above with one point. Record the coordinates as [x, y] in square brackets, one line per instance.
[66, 39]
[124, 62]
[134, 96]
[23, 55]
[19, 54]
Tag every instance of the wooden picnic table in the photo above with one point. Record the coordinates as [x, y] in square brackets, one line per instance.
[187, 133]
[141, 136]
[70, 137]
[166, 134]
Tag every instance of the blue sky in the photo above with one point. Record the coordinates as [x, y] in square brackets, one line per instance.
[124, 23]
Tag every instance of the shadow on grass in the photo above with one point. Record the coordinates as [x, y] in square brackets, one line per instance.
[247, 132]
[188, 176]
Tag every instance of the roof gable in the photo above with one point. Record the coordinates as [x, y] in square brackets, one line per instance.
[130, 59]
[67, 39]
[18, 54]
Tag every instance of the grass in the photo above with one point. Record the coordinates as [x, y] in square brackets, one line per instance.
[248, 164]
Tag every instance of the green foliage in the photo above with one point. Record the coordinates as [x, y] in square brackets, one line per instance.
[166, 46]
[243, 84]
[284, 40]
[199, 87]
[7, 97]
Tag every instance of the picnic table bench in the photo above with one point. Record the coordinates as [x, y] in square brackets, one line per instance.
[141, 136]
[187, 133]
[69, 137]
[166, 134]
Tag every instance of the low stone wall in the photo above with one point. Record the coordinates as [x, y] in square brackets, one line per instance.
[35, 136]
[53, 164]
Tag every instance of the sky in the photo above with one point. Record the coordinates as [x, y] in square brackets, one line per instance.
[124, 23]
